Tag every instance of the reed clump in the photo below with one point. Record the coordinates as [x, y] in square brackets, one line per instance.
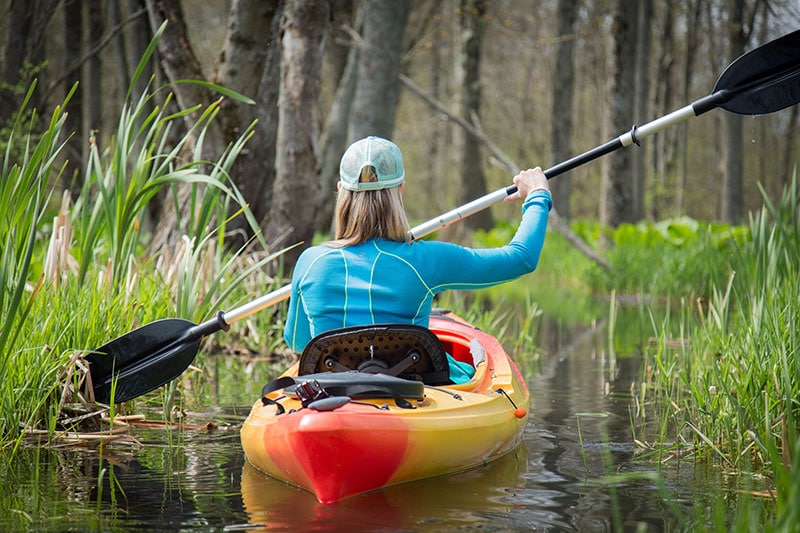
[76, 274]
[728, 391]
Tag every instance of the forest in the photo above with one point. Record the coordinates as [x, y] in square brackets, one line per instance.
[172, 158]
[470, 90]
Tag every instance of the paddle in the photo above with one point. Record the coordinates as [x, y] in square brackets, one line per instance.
[156, 353]
[762, 81]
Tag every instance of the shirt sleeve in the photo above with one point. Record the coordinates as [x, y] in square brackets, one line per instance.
[460, 268]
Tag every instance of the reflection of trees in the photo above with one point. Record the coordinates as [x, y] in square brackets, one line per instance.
[178, 479]
[194, 476]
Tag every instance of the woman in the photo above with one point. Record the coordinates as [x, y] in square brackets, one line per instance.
[372, 274]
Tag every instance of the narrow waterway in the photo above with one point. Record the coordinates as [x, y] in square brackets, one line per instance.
[577, 471]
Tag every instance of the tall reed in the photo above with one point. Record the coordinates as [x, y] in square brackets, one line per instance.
[74, 279]
[732, 394]
[25, 190]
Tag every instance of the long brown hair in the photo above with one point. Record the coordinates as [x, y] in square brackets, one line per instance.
[363, 215]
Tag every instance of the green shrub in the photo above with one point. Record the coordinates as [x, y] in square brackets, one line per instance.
[679, 257]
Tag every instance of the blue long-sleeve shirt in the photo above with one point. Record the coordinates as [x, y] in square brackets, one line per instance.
[382, 281]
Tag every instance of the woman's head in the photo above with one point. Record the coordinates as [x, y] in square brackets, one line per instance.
[369, 203]
[384, 156]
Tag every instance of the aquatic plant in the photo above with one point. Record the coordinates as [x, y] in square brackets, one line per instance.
[25, 189]
[728, 390]
[679, 256]
[74, 278]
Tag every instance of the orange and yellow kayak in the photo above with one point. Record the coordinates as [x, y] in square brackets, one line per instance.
[343, 446]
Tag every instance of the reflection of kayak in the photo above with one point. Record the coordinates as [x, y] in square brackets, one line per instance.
[480, 497]
[342, 433]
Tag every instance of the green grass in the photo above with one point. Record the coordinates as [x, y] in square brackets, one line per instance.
[74, 276]
[728, 390]
[672, 257]
[26, 185]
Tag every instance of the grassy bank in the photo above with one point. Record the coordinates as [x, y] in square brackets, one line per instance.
[76, 274]
[726, 387]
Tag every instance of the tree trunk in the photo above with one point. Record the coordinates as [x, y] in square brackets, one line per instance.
[138, 37]
[439, 136]
[242, 59]
[468, 149]
[73, 48]
[563, 91]
[617, 191]
[248, 64]
[291, 219]
[94, 90]
[377, 87]
[258, 161]
[732, 196]
[20, 22]
[120, 47]
[792, 130]
[642, 100]
[664, 143]
[136, 40]
[693, 12]
[338, 46]
[24, 53]
[178, 61]
[334, 138]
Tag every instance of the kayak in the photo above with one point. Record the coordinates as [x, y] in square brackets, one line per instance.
[338, 431]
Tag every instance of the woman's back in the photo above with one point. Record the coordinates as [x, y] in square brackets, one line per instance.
[382, 281]
[369, 274]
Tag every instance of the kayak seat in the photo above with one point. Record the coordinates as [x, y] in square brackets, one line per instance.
[402, 350]
[329, 388]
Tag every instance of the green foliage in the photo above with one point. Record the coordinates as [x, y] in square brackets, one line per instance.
[558, 286]
[25, 186]
[72, 282]
[672, 257]
[679, 257]
[144, 158]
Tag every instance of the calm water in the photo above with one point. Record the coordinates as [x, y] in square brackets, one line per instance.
[576, 472]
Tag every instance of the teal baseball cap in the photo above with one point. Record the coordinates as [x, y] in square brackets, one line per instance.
[377, 152]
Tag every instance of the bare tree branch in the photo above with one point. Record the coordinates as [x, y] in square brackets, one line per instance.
[505, 162]
[91, 52]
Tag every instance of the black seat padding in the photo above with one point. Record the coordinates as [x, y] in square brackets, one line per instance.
[401, 350]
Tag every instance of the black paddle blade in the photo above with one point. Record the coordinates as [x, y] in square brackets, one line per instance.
[148, 357]
[765, 79]
[143, 360]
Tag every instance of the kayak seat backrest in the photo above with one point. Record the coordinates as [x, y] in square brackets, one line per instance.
[401, 350]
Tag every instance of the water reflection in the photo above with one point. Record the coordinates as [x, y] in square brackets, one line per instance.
[147, 497]
[167, 484]
[581, 440]
[482, 497]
